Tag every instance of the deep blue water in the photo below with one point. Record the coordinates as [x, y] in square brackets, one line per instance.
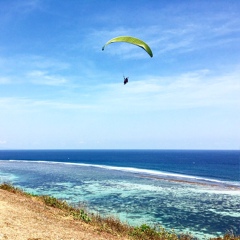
[193, 191]
[221, 165]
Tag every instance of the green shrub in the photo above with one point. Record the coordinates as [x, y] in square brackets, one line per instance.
[80, 214]
[54, 202]
[8, 187]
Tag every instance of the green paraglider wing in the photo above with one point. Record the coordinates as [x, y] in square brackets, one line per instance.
[131, 40]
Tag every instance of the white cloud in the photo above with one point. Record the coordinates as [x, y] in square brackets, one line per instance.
[23, 7]
[194, 89]
[5, 80]
[43, 63]
[12, 10]
[2, 142]
[189, 90]
[32, 68]
[14, 104]
[43, 78]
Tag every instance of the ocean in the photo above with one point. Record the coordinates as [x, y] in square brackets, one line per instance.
[190, 191]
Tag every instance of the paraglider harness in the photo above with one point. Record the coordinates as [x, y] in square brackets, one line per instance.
[125, 80]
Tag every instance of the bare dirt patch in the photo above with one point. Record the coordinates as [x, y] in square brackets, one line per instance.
[27, 218]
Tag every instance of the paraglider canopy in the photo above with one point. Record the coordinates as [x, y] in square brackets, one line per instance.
[131, 40]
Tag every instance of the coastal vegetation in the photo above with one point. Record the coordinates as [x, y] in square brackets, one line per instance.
[110, 224]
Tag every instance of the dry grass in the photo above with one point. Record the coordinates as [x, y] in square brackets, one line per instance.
[227, 236]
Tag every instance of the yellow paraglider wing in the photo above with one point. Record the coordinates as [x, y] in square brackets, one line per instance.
[131, 40]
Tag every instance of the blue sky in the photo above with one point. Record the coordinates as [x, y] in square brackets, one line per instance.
[59, 90]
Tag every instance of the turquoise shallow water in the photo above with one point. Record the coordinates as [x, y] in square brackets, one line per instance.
[205, 207]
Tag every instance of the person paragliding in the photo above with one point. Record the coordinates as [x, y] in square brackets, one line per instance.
[125, 80]
[131, 40]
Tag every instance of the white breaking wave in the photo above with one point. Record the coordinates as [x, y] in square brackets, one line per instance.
[146, 173]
